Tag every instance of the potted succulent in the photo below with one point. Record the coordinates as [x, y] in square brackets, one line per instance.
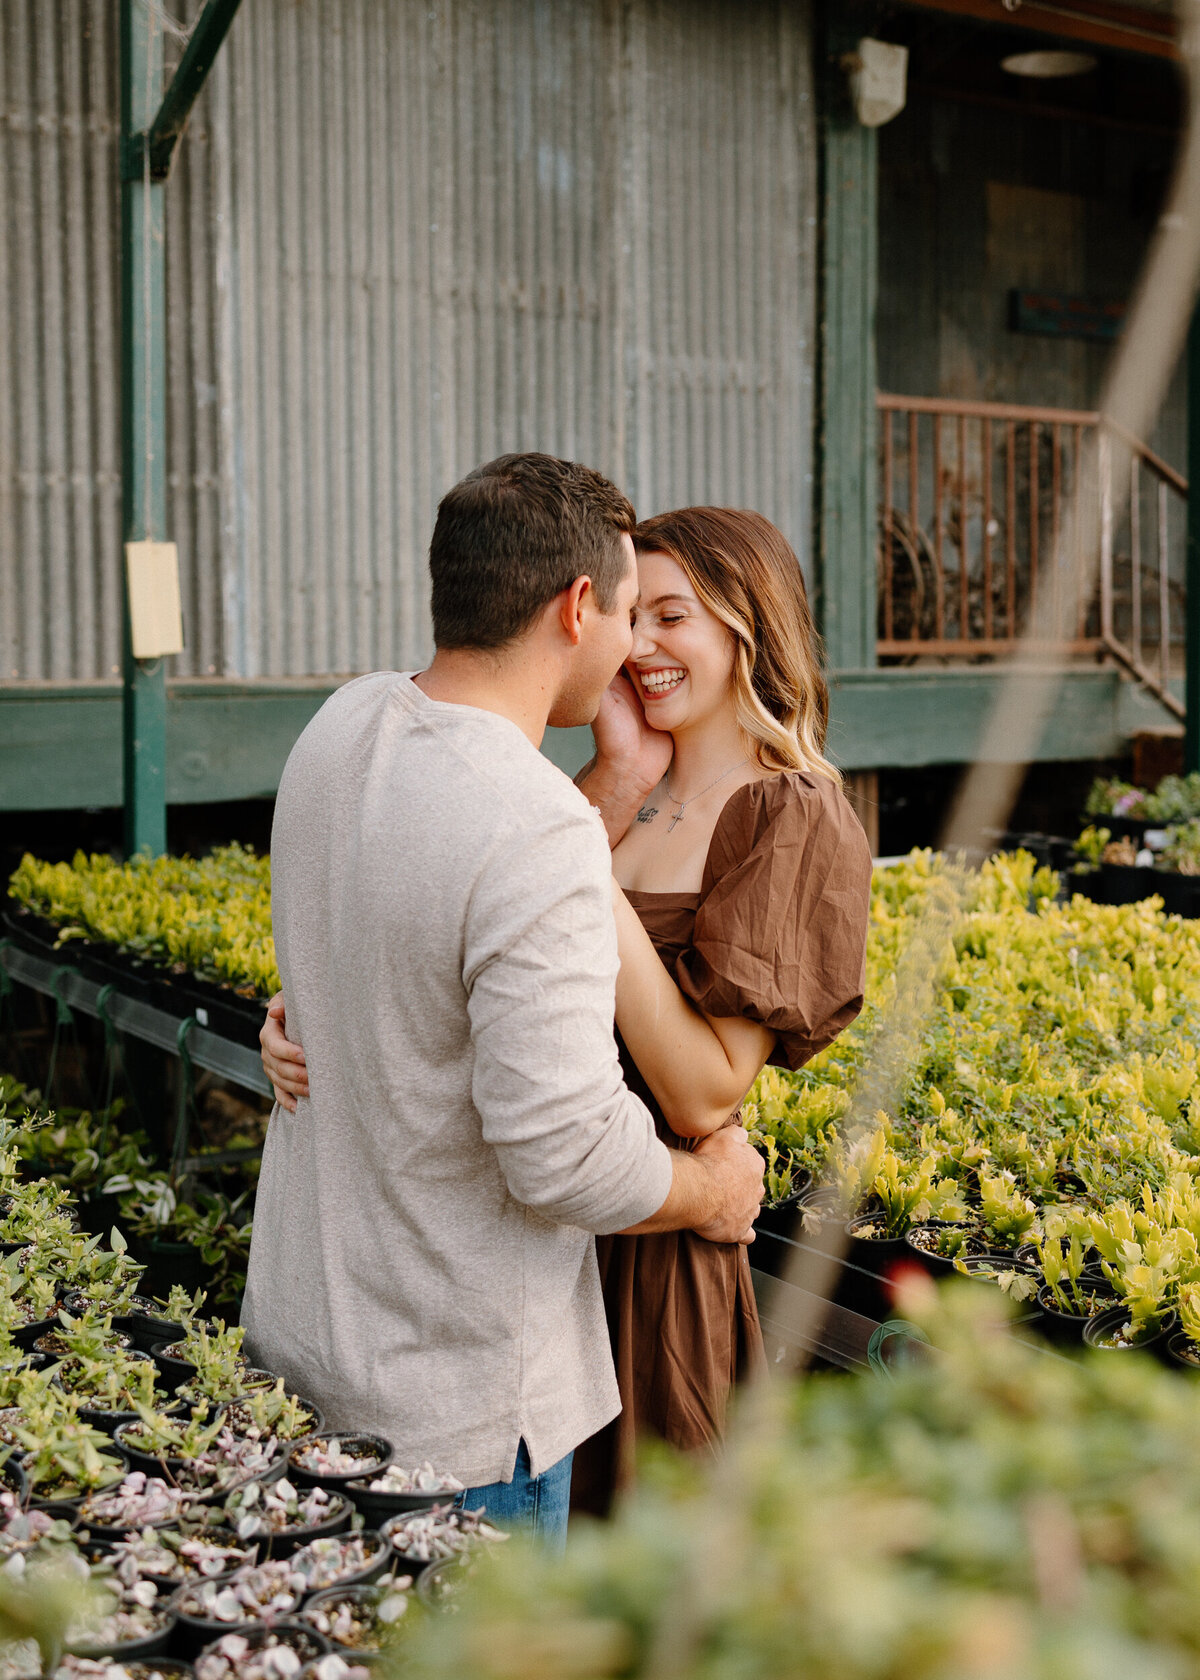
[282, 1518]
[27, 1531]
[354, 1559]
[394, 1489]
[262, 1411]
[420, 1538]
[185, 1552]
[126, 1624]
[64, 1458]
[1069, 1297]
[205, 1457]
[334, 1460]
[255, 1593]
[261, 1653]
[359, 1622]
[938, 1243]
[138, 1503]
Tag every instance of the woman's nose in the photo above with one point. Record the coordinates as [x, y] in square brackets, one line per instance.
[643, 641]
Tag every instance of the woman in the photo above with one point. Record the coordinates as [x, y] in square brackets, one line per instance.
[741, 893]
[742, 919]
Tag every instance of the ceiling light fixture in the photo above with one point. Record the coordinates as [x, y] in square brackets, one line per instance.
[1044, 65]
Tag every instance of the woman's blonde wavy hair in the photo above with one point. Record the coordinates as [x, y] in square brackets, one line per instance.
[747, 574]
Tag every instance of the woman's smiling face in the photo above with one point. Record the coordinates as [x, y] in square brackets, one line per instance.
[681, 662]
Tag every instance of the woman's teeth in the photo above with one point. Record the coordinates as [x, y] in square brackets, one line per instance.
[661, 682]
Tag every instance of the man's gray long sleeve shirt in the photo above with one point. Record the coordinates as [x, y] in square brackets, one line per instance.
[422, 1261]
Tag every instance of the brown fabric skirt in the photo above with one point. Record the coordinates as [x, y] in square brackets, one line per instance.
[684, 1328]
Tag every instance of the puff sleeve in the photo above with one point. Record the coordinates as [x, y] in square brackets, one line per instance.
[780, 933]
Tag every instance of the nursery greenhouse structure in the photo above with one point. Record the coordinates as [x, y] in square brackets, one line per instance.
[914, 280]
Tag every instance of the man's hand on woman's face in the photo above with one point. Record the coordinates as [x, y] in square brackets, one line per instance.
[284, 1061]
[623, 737]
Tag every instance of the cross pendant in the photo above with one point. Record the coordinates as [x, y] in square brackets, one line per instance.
[678, 818]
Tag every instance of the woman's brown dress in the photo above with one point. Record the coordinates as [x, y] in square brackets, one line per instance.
[777, 933]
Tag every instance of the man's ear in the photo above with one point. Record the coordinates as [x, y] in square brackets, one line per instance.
[571, 608]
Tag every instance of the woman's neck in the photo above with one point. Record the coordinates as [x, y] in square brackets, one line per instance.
[702, 752]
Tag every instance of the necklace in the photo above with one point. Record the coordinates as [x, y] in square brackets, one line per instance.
[648, 812]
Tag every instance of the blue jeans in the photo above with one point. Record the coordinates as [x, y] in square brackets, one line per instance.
[540, 1502]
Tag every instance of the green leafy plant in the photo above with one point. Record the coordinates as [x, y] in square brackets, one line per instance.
[271, 1411]
[1091, 845]
[1007, 1216]
[216, 1352]
[160, 1436]
[1062, 1269]
[63, 1457]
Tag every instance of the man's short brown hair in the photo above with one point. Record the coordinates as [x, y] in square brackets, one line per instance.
[514, 534]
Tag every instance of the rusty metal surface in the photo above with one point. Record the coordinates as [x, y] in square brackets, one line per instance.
[402, 237]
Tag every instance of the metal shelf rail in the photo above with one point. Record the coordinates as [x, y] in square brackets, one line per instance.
[173, 1033]
[184, 1036]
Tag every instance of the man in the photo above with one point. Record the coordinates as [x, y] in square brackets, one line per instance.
[422, 1262]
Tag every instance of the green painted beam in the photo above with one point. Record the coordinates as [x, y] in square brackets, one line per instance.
[143, 421]
[60, 747]
[847, 500]
[210, 30]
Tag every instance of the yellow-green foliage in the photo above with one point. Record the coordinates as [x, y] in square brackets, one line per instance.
[211, 915]
[1056, 1070]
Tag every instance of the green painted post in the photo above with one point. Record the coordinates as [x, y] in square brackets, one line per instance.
[847, 504]
[143, 392]
[1191, 728]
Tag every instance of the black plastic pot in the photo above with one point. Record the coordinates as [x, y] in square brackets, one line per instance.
[404, 1563]
[107, 1422]
[289, 1540]
[377, 1508]
[1063, 1326]
[27, 1334]
[174, 1371]
[108, 965]
[1182, 1352]
[171, 1263]
[307, 1643]
[149, 1332]
[171, 1668]
[1180, 893]
[106, 1536]
[193, 1634]
[1103, 1324]
[328, 1599]
[938, 1265]
[124, 1343]
[355, 1441]
[33, 933]
[14, 1479]
[223, 1010]
[781, 1218]
[441, 1581]
[132, 1650]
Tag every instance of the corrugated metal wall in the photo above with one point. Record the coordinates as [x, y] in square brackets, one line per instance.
[60, 439]
[404, 237]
